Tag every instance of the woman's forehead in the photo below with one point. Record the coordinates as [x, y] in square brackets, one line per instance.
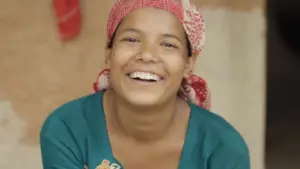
[151, 19]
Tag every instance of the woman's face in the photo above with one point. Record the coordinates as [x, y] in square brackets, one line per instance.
[149, 57]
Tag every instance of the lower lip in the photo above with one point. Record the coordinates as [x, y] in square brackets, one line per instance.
[144, 82]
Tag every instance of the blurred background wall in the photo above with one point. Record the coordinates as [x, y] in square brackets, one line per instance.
[38, 72]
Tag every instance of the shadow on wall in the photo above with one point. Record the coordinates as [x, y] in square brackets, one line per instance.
[282, 146]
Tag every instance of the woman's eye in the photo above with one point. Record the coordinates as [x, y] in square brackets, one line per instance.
[131, 40]
[169, 45]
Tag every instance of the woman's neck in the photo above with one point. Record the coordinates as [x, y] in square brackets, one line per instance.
[142, 124]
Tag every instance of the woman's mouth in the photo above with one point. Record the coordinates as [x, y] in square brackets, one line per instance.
[145, 76]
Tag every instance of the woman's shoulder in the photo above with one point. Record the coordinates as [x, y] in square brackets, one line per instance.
[210, 120]
[77, 107]
[74, 115]
[217, 132]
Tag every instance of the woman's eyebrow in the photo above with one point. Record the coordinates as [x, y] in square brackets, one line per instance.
[130, 30]
[167, 35]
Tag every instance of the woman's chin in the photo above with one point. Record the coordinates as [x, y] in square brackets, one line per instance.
[144, 99]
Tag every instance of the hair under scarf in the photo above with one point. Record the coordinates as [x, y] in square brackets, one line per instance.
[193, 88]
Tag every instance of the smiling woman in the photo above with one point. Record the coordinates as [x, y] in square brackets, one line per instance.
[149, 110]
[142, 49]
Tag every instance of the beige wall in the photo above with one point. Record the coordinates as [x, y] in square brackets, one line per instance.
[38, 72]
[233, 62]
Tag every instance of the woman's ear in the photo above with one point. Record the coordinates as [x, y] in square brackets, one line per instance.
[107, 55]
[189, 68]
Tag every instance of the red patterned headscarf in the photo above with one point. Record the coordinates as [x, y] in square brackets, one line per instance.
[194, 88]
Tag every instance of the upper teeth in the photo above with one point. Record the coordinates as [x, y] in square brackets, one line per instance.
[144, 76]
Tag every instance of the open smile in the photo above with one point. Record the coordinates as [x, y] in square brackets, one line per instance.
[145, 77]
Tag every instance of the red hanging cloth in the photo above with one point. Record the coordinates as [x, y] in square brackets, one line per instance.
[68, 18]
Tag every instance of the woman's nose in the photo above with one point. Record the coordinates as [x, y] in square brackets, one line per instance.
[149, 53]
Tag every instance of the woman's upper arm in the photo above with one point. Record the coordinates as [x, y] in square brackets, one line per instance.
[243, 162]
[231, 153]
[58, 148]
